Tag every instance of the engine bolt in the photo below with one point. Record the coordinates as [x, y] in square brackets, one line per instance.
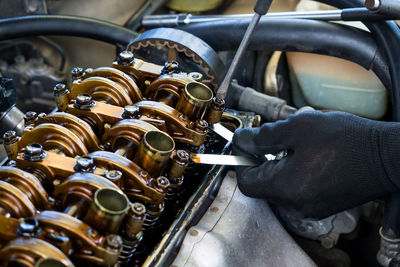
[28, 227]
[114, 176]
[60, 92]
[201, 126]
[218, 104]
[131, 112]
[138, 209]
[162, 184]
[84, 164]
[34, 152]
[126, 58]
[197, 76]
[30, 118]
[84, 102]
[10, 137]
[77, 73]
[170, 67]
[181, 156]
[60, 89]
[113, 242]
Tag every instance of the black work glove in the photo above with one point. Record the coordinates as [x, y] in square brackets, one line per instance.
[335, 161]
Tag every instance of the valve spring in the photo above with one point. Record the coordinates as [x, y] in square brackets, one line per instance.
[153, 213]
[174, 192]
[129, 247]
[211, 140]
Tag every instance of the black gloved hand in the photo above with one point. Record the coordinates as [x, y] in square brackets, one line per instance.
[335, 161]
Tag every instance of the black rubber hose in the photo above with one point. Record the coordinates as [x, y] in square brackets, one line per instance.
[297, 35]
[387, 36]
[100, 30]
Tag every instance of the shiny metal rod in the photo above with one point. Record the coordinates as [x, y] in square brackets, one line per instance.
[223, 89]
[348, 14]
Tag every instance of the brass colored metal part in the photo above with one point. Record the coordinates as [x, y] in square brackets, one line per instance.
[60, 93]
[217, 108]
[178, 126]
[154, 152]
[108, 210]
[80, 186]
[141, 71]
[11, 144]
[9, 228]
[180, 161]
[136, 181]
[124, 80]
[132, 234]
[28, 184]
[52, 136]
[53, 166]
[79, 127]
[101, 89]
[194, 100]
[32, 252]
[99, 115]
[135, 219]
[167, 88]
[86, 243]
[15, 202]
[125, 131]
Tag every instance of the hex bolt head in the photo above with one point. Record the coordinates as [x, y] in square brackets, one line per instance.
[162, 184]
[137, 209]
[197, 76]
[28, 227]
[10, 137]
[201, 126]
[84, 102]
[170, 67]
[84, 164]
[126, 58]
[114, 174]
[218, 104]
[131, 112]
[77, 73]
[60, 89]
[34, 153]
[30, 117]
[181, 156]
[113, 242]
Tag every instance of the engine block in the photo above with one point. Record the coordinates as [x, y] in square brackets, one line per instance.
[100, 179]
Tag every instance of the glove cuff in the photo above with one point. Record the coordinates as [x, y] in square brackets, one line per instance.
[389, 146]
[365, 155]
